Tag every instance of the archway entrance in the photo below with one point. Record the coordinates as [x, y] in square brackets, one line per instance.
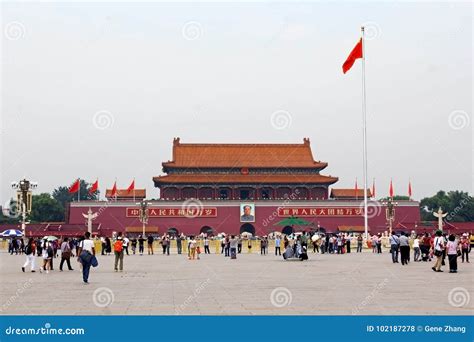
[287, 230]
[247, 227]
[173, 231]
[207, 230]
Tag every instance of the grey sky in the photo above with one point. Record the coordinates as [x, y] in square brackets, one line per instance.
[217, 72]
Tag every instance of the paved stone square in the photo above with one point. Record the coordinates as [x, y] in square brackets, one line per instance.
[363, 284]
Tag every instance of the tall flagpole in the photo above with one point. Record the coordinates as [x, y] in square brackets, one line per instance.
[364, 134]
[79, 190]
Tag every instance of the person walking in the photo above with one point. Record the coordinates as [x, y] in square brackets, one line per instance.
[133, 243]
[277, 245]
[348, 243]
[65, 255]
[404, 248]
[394, 246]
[108, 246]
[233, 247]
[141, 242]
[465, 247]
[416, 248]
[379, 244]
[47, 254]
[222, 245]
[438, 247]
[126, 242]
[360, 239]
[239, 244]
[179, 246]
[452, 250]
[206, 245]
[85, 254]
[118, 252]
[150, 244]
[263, 246]
[227, 246]
[103, 245]
[192, 248]
[30, 251]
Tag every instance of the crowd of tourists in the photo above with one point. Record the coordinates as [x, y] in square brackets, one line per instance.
[426, 247]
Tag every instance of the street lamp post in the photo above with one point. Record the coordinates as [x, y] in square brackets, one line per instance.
[24, 199]
[143, 214]
[390, 213]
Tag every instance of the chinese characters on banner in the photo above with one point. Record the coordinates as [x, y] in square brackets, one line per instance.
[175, 212]
[313, 212]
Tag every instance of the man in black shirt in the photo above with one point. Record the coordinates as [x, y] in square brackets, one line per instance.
[141, 241]
[150, 244]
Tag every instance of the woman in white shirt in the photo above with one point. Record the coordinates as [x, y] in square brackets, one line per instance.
[438, 247]
[416, 248]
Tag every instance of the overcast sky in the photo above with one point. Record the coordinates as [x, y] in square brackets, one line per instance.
[100, 90]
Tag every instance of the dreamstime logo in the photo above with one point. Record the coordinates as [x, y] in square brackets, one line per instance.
[370, 297]
[192, 207]
[103, 297]
[197, 291]
[373, 209]
[10, 209]
[281, 297]
[371, 30]
[281, 119]
[192, 30]
[14, 30]
[459, 297]
[103, 119]
[18, 293]
[458, 120]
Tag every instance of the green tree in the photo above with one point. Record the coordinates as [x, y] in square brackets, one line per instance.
[45, 208]
[62, 195]
[11, 214]
[458, 204]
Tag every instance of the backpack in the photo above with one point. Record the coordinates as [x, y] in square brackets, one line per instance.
[28, 250]
[118, 246]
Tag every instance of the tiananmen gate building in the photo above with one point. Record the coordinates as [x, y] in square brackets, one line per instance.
[235, 188]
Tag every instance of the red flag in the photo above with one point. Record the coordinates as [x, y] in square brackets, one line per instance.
[74, 187]
[373, 188]
[390, 191]
[355, 54]
[131, 187]
[114, 190]
[356, 189]
[94, 187]
[409, 189]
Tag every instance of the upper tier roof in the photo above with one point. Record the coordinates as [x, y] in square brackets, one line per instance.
[243, 155]
[349, 193]
[123, 193]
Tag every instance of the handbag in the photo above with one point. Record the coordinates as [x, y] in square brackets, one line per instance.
[86, 257]
[94, 261]
[458, 253]
[438, 253]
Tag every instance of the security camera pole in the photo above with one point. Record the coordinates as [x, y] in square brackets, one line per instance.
[143, 214]
[24, 199]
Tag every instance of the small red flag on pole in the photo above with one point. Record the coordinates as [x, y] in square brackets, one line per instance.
[114, 190]
[94, 187]
[409, 189]
[74, 187]
[355, 54]
[373, 188]
[131, 187]
[390, 191]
